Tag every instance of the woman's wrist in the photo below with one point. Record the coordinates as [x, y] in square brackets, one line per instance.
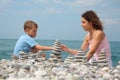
[69, 50]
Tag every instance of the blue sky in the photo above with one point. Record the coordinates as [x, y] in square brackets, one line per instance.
[57, 19]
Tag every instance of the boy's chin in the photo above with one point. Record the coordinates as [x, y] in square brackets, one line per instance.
[33, 36]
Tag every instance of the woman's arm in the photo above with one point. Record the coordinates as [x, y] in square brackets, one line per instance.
[73, 51]
[84, 45]
[69, 50]
[97, 40]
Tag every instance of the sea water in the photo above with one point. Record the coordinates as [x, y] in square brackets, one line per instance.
[7, 47]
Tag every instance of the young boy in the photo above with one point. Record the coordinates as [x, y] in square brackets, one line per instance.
[26, 43]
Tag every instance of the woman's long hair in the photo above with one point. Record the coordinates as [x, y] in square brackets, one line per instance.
[91, 16]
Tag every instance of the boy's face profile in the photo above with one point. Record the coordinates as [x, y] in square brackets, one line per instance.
[31, 32]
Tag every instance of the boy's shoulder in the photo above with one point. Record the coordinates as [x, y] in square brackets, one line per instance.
[25, 37]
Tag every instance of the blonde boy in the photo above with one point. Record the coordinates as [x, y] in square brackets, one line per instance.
[26, 42]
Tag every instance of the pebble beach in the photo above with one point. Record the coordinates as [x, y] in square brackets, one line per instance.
[42, 69]
[35, 66]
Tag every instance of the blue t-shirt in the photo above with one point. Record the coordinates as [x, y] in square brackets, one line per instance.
[24, 43]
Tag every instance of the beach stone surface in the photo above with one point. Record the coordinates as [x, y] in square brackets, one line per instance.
[35, 66]
[40, 68]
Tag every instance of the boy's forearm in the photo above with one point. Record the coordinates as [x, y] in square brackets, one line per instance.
[44, 47]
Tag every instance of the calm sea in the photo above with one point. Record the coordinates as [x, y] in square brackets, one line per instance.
[7, 47]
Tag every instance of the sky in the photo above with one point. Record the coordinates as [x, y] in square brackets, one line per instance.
[57, 19]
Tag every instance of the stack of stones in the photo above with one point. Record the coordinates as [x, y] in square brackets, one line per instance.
[53, 58]
[23, 55]
[32, 56]
[57, 50]
[102, 61]
[41, 54]
[80, 56]
[70, 58]
[38, 55]
[94, 62]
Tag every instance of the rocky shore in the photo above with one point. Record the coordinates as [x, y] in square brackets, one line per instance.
[37, 67]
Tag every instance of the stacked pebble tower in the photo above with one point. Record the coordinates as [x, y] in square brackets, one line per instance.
[35, 56]
[102, 61]
[23, 55]
[70, 58]
[32, 55]
[41, 54]
[53, 58]
[80, 56]
[57, 50]
[94, 62]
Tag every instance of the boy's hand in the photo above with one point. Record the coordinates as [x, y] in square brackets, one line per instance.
[34, 50]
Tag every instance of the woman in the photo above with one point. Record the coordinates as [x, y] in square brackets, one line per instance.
[95, 38]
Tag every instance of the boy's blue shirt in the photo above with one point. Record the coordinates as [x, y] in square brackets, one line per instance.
[24, 43]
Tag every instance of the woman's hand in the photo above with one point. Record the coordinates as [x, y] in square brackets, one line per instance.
[64, 48]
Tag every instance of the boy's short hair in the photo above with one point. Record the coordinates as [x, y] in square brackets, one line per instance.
[30, 24]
